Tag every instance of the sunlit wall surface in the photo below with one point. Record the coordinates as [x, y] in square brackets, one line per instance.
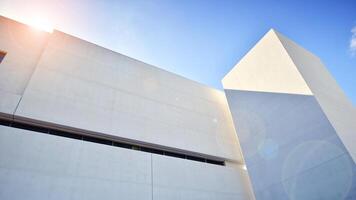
[295, 126]
[26, 46]
[78, 121]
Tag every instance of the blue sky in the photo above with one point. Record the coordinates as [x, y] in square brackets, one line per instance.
[201, 39]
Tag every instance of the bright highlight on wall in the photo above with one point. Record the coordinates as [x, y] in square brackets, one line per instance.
[40, 24]
[35, 21]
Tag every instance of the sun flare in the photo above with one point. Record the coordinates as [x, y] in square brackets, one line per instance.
[40, 24]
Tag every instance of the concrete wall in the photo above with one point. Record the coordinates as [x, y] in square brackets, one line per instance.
[334, 102]
[266, 68]
[81, 85]
[290, 148]
[59, 80]
[180, 179]
[23, 46]
[285, 120]
[40, 166]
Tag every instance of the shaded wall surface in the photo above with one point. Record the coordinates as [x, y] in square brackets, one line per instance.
[40, 166]
[290, 148]
[295, 126]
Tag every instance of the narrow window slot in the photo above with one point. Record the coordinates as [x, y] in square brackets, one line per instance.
[123, 145]
[37, 128]
[215, 162]
[5, 122]
[65, 134]
[29, 127]
[196, 158]
[97, 140]
[177, 155]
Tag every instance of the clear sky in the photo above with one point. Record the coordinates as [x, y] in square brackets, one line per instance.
[202, 39]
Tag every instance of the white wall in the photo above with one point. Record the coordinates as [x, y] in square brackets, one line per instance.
[40, 166]
[267, 67]
[59, 80]
[23, 46]
[290, 148]
[295, 126]
[81, 85]
[176, 179]
[334, 102]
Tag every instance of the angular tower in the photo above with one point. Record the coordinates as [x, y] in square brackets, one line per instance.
[296, 127]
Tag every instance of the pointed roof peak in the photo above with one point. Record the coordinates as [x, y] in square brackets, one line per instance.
[275, 32]
[267, 67]
[272, 30]
[272, 33]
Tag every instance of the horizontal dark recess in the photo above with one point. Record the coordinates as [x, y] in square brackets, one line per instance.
[98, 140]
[65, 134]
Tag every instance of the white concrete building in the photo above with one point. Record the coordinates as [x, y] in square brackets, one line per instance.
[79, 121]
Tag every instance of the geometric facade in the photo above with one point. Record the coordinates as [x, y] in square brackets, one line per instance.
[78, 121]
[295, 126]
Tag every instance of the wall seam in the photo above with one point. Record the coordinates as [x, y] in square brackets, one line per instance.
[151, 176]
[45, 45]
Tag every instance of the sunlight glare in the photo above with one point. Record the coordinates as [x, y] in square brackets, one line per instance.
[40, 24]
